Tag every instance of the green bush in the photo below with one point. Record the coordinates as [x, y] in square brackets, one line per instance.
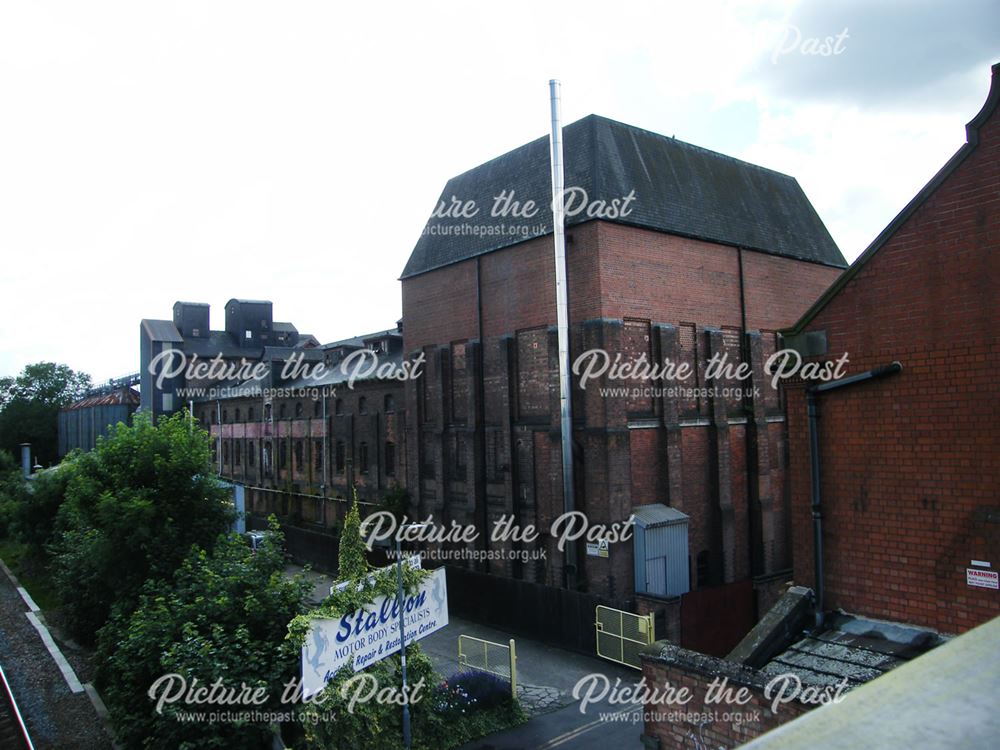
[11, 493]
[35, 518]
[133, 508]
[222, 616]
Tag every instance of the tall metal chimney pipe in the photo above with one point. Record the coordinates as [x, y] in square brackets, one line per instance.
[562, 320]
[26, 459]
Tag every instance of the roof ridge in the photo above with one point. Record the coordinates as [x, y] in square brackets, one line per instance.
[688, 144]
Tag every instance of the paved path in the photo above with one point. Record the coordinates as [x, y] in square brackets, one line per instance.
[547, 676]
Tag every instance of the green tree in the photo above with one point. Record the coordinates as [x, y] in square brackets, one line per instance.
[133, 508]
[222, 617]
[351, 562]
[372, 724]
[30, 404]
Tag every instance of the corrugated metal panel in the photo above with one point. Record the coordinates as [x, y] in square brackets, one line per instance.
[656, 576]
[661, 551]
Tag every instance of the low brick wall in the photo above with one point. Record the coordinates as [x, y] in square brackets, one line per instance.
[736, 712]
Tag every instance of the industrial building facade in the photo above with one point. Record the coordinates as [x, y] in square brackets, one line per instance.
[714, 257]
[674, 253]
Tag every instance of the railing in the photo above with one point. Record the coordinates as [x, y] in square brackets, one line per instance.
[113, 384]
[12, 726]
[487, 656]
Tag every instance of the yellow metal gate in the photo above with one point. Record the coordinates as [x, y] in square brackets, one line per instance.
[621, 635]
[486, 656]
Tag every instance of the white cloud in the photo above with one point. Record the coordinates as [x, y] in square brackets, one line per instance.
[201, 151]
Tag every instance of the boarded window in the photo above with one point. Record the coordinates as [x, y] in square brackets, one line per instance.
[341, 456]
[532, 373]
[687, 340]
[390, 459]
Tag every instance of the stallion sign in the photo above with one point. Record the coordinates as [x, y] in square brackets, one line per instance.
[370, 634]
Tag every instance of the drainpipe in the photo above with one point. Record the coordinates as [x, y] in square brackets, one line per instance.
[812, 407]
[218, 419]
[562, 319]
[326, 427]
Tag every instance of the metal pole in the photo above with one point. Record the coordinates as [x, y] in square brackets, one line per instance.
[326, 427]
[812, 410]
[562, 320]
[402, 643]
[218, 419]
[513, 670]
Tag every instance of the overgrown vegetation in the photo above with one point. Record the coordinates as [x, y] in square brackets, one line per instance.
[133, 508]
[223, 616]
[444, 714]
[131, 542]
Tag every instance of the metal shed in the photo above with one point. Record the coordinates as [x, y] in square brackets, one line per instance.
[661, 551]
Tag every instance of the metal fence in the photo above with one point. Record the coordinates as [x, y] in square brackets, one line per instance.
[487, 656]
[622, 635]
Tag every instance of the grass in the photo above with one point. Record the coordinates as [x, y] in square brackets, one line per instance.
[31, 571]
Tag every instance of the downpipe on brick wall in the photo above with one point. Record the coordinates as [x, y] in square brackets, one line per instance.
[812, 407]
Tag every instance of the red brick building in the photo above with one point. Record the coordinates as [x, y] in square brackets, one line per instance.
[681, 253]
[910, 463]
[300, 444]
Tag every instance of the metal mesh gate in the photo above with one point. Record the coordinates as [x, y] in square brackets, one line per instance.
[486, 656]
[621, 635]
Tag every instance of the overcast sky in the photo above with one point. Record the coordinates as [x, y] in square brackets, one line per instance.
[151, 152]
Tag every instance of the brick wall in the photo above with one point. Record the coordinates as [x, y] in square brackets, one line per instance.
[722, 720]
[632, 292]
[910, 463]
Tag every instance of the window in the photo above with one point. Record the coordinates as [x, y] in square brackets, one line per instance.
[237, 417]
[390, 403]
[267, 459]
[390, 459]
[317, 409]
[267, 412]
[299, 459]
[282, 412]
[236, 454]
[338, 407]
[458, 457]
[298, 409]
[225, 453]
[341, 458]
[704, 568]
[248, 334]
[282, 454]
[318, 455]
[362, 405]
[213, 416]
[251, 454]
[225, 416]
[363, 458]
[250, 414]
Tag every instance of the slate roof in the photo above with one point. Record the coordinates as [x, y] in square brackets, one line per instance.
[679, 189]
[856, 648]
[358, 342]
[161, 330]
